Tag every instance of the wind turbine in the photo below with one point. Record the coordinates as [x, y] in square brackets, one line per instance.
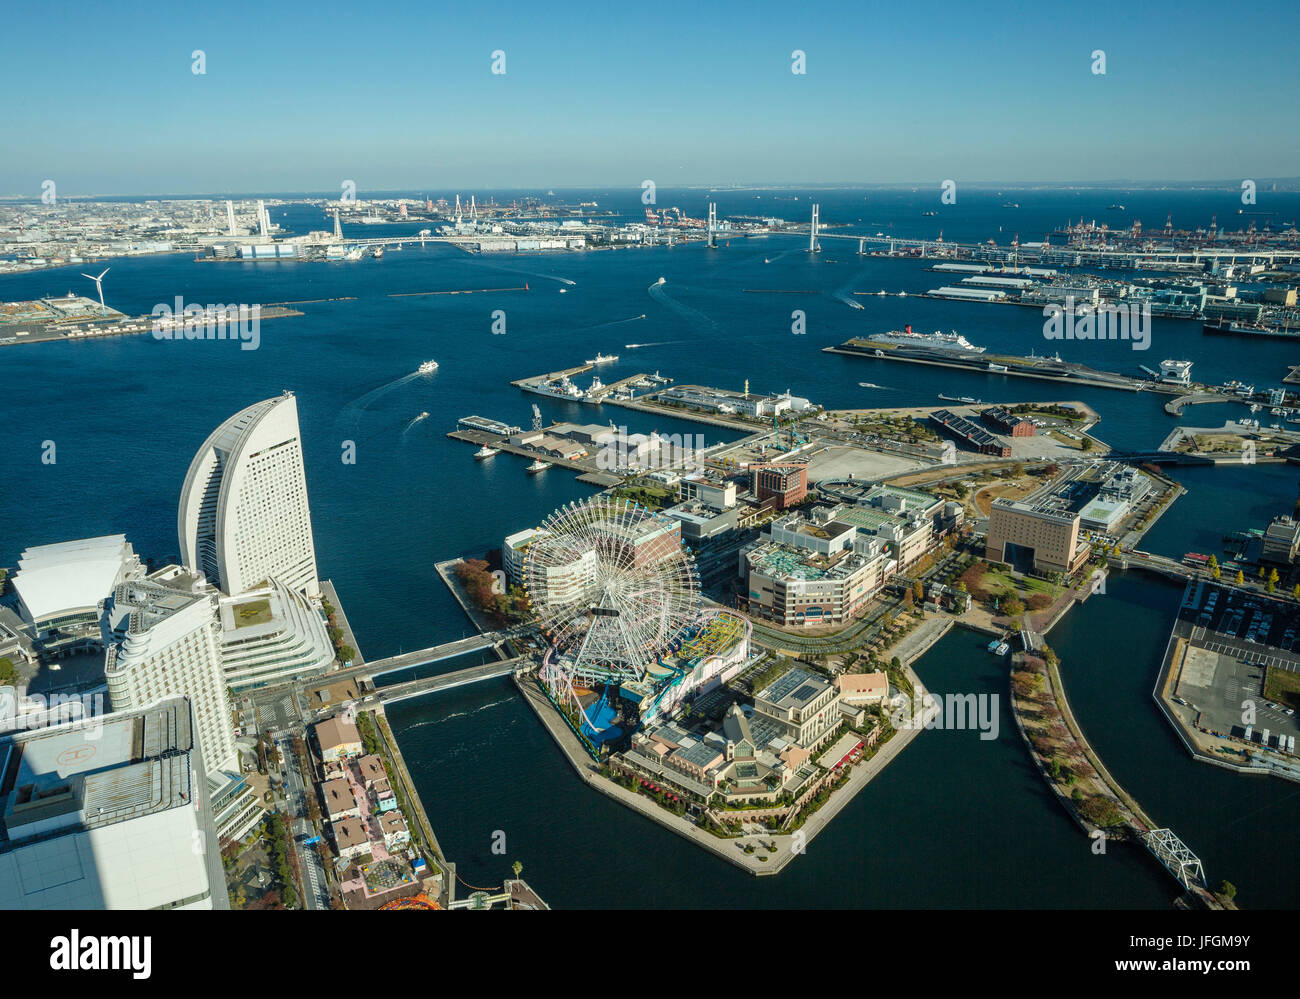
[99, 285]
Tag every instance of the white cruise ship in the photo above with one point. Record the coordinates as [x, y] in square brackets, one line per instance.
[938, 341]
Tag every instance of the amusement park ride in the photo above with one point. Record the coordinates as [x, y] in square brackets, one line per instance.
[618, 595]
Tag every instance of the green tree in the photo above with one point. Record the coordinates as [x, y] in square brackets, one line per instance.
[1228, 890]
[1272, 580]
[1241, 577]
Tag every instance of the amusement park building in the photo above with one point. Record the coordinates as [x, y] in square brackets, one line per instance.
[243, 514]
[812, 570]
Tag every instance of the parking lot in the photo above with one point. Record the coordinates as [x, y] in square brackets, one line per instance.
[1230, 632]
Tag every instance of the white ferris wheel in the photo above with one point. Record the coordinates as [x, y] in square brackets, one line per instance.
[613, 588]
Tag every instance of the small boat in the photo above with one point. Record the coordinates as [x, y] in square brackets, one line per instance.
[998, 647]
[428, 367]
[603, 359]
[485, 452]
[537, 466]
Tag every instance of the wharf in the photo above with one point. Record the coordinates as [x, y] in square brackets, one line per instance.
[533, 381]
[118, 325]
[649, 404]
[1074, 374]
[589, 469]
[332, 595]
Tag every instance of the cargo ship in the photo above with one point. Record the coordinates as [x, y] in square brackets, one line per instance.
[1244, 329]
[936, 340]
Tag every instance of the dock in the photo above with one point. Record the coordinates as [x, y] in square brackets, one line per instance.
[589, 471]
[1016, 367]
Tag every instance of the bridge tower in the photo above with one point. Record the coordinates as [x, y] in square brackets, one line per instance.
[713, 226]
[338, 226]
[812, 229]
[862, 247]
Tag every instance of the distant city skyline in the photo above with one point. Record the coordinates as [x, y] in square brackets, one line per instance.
[298, 99]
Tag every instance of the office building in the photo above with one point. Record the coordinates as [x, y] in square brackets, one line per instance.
[786, 483]
[244, 516]
[1033, 536]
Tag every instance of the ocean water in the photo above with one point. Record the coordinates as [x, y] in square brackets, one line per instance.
[126, 415]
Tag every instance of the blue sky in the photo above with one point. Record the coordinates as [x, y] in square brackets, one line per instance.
[401, 96]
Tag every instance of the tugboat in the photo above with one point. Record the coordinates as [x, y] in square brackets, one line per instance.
[537, 466]
[484, 452]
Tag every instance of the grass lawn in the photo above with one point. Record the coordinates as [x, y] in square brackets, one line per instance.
[253, 612]
[1282, 687]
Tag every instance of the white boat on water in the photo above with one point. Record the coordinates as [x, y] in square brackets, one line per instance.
[537, 466]
[485, 452]
[428, 367]
[603, 359]
[941, 341]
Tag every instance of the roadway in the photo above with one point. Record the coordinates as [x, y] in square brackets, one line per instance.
[315, 886]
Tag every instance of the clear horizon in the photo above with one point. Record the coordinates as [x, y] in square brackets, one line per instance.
[297, 98]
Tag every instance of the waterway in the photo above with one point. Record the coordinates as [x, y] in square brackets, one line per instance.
[943, 826]
[1242, 826]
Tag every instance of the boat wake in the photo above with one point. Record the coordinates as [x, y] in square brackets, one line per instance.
[693, 316]
[883, 388]
[527, 273]
[407, 428]
[783, 254]
[657, 343]
[614, 322]
[844, 292]
[352, 412]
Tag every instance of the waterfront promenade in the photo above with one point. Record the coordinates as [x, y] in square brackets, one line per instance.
[731, 849]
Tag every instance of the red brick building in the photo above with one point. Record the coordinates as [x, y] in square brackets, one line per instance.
[787, 483]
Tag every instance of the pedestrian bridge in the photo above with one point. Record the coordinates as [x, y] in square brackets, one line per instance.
[448, 681]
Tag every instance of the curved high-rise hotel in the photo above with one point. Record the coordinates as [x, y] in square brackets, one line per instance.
[243, 516]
